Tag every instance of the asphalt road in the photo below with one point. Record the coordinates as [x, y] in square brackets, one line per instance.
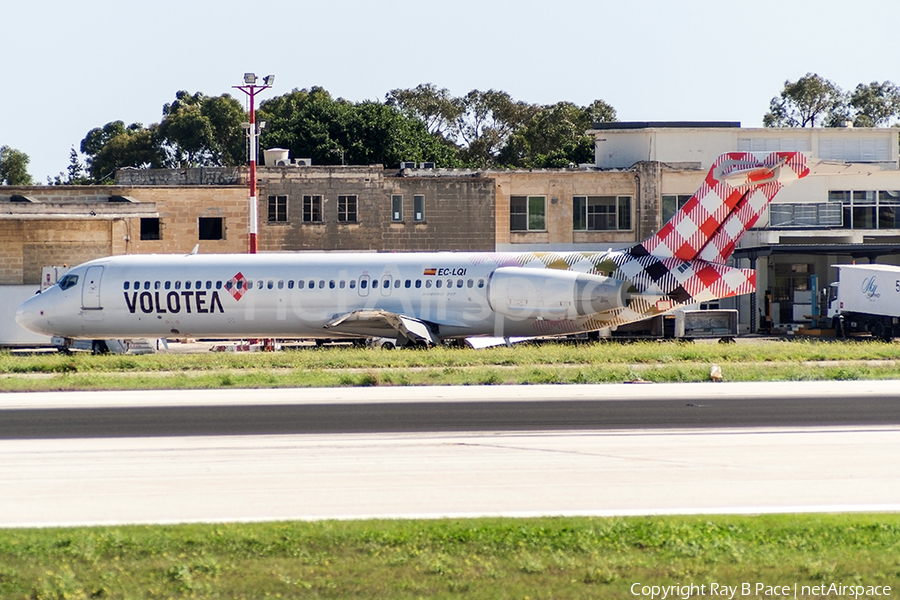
[446, 409]
[197, 455]
[548, 415]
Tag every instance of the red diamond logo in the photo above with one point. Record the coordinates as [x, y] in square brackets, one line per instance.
[236, 286]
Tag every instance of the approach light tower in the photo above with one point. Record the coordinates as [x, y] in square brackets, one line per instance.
[251, 89]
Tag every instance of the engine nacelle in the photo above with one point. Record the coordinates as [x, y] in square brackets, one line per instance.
[526, 293]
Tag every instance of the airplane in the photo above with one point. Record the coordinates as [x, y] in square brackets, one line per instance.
[423, 298]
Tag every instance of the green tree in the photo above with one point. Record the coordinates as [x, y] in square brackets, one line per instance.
[807, 102]
[489, 120]
[115, 146]
[435, 107]
[74, 173]
[14, 167]
[875, 104]
[197, 130]
[310, 123]
[555, 136]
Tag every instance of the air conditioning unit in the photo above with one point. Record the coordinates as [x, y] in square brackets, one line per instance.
[427, 165]
[408, 165]
[284, 162]
[303, 162]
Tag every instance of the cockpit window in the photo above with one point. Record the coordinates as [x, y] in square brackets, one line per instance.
[67, 281]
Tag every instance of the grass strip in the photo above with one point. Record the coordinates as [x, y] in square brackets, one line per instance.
[524, 364]
[477, 558]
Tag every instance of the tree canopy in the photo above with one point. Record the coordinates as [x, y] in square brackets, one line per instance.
[115, 146]
[812, 101]
[14, 167]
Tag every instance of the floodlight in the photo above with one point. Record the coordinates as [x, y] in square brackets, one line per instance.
[249, 78]
[269, 80]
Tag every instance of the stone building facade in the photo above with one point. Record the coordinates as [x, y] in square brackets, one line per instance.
[369, 209]
[67, 225]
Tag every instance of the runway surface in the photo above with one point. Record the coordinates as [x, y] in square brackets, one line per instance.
[144, 457]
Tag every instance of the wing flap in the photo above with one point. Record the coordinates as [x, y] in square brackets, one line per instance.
[381, 323]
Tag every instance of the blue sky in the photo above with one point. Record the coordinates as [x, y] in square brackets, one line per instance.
[80, 65]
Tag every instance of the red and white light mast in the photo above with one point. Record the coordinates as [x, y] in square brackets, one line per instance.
[251, 89]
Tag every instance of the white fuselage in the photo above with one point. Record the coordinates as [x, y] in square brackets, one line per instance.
[297, 295]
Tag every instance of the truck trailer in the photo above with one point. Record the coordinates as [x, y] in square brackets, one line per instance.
[866, 299]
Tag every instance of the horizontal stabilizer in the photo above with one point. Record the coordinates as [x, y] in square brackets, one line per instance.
[381, 323]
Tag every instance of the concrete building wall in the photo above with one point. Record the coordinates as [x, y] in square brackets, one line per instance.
[622, 148]
[559, 187]
[79, 223]
[458, 210]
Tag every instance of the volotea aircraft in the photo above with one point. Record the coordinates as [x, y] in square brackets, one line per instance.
[423, 298]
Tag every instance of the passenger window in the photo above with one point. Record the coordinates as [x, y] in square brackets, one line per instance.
[155, 285]
[407, 284]
[218, 285]
[352, 284]
[290, 284]
[312, 284]
[240, 284]
[168, 285]
[198, 285]
[228, 285]
[364, 283]
[438, 283]
[137, 285]
[418, 283]
[331, 284]
[271, 284]
[146, 285]
[470, 283]
[321, 284]
[341, 284]
[187, 285]
[428, 283]
[481, 283]
[249, 284]
[374, 283]
[459, 283]
[300, 284]
[397, 283]
[127, 284]
[280, 284]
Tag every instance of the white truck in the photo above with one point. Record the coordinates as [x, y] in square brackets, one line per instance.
[866, 299]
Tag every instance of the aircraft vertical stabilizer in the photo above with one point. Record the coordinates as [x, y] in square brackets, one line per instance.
[731, 199]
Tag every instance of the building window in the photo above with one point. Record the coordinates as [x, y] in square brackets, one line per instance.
[150, 228]
[868, 209]
[347, 209]
[278, 209]
[419, 207]
[396, 207]
[527, 213]
[312, 209]
[671, 204]
[211, 228]
[601, 213]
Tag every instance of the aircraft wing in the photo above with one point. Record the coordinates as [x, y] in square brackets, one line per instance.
[381, 323]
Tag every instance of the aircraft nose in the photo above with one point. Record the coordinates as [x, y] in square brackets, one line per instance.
[31, 315]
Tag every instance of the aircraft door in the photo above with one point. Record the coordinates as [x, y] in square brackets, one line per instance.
[386, 285]
[90, 290]
[363, 285]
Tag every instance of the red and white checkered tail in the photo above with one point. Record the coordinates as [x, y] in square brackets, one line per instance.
[731, 199]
